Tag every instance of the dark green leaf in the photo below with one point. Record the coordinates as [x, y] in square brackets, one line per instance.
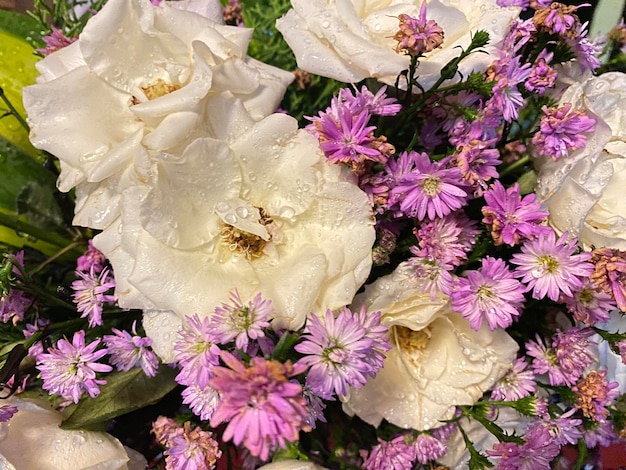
[124, 392]
[21, 26]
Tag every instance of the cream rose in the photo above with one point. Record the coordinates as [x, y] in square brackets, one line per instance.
[33, 440]
[257, 208]
[584, 192]
[436, 362]
[136, 85]
[351, 40]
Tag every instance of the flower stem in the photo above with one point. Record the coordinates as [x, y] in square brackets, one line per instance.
[12, 111]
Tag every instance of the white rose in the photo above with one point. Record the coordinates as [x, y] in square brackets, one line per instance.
[351, 40]
[258, 209]
[33, 440]
[584, 192]
[138, 84]
[436, 362]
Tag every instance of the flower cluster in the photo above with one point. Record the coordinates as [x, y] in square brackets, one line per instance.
[412, 257]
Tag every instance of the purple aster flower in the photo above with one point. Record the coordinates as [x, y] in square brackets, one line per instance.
[429, 189]
[544, 361]
[590, 305]
[164, 429]
[337, 353]
[557, 18]
[196, 352]
[428, 448]
[477, 161]
[55, 41]
[517, 383]
[610, 274]
[550, 268]
[418, 36]
[520, 33]
[202, 401]
[565, 430]
[586, 51]
[239, 322]
[91, 257]
[191, 449]
[70, 368]
[600, 434]
[7, 412]
[90, 294]
[542, 76]
[128, 351]
[491, 293]
[621, 347]
[375, 332]
[29, 330]
[13, 306]
[510, 217]
[263, 408]
[345, 136]
[396, 454]
[315, 405]
[594, 393]
[535, 453]
[508, 73]
[447, 239]
[378, 104]
[436, 276]
[561, 131]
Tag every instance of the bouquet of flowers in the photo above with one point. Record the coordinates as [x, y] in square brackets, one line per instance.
[320, 234]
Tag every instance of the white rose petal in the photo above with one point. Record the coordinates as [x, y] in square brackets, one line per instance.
[444, 364]
[291, 465]
[138, 83]
[350, 40]
[584, 192]
[33, 440]
[170, 250]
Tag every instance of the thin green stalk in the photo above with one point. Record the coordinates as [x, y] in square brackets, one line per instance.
[12, 111]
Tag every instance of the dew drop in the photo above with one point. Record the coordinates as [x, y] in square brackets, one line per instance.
[242, 212]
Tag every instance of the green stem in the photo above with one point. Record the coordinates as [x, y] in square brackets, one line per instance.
[515, 166]
[13, 111]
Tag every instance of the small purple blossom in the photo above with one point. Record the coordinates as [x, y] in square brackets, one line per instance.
[600, 434]
[447, 239]
[590, 305]
[7, 412]
[196, 352]
[542, 76]
[510, 217]
[29, 330]
[594, 393]
[417, 36]
[491, 293]
[535, 453]
[396, 454]
[90, 294]
[517, 383]
[70, 368]
[565, 430]
[263, 408]
[429, 190]
[428, 448]
[378, 104]
[508, 73]
[191, 449]
[337, 352]
[202, 401]
[91, 257]
[13, 306]
[128, 351]
[54, 41]
[585, 50]
[239, 322]
[550, 268]
[561, 131]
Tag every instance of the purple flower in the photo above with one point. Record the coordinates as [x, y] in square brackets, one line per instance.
[586, 51]
[589, 305]
[337, 352]
[565, 430]
[446, 239]
[196, 352]
[517, 383]
[55, 41]
[70, 368]
[90, 294]
[378, 104]
[610, 274]
[435, 275]
[536, 453]
[511, 218]
[428, 448]
[429, 189]
[7, 412]
[128, 351]
[561, 131]
[418, 36]
[91, 257]
[542, 76]
[239, 322]
[13, 306]
[263, 408]
[29, 330]
[594, 393]
[201, 401]
[508, 73]
[550, 268]
[396, 454]
[491, 293]
[600, 434]
[191, 449]
[477, 161]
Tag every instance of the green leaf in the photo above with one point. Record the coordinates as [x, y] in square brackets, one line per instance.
[124, 392]
[17, 70]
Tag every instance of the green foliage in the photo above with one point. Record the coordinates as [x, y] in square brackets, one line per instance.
[124, 392]
[61, 14]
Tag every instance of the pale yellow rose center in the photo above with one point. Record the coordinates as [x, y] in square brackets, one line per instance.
[158, 89]
[410, 340]
[245, 243]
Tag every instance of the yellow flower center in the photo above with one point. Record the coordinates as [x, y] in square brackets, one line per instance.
[245, 243]
[411, 340]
